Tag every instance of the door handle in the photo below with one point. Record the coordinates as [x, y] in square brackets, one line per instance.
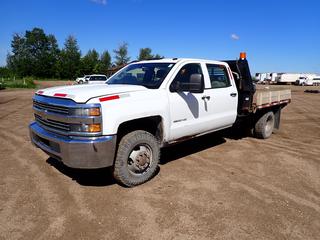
[205, 97]
[233, 94]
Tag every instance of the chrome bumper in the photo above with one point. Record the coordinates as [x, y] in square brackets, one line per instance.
[89, 152]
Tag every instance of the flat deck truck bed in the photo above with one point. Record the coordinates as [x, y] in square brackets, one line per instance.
[264, 98]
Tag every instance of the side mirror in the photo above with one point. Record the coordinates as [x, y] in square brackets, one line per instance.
[195, 84]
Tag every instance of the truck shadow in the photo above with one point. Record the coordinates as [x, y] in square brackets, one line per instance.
[103, 177]
[192, 146]
[199, 144]
[86, 177]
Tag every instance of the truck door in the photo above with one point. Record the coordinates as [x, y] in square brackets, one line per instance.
[188, 111]
[221, 96]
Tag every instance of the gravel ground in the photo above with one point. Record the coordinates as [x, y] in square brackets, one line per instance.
[213, 187]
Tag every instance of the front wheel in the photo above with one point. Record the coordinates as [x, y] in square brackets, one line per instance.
[137, 158]
[264, 126]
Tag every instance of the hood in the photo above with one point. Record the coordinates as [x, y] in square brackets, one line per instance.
[82, 93]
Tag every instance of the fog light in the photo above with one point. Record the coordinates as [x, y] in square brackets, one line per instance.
[94, 127]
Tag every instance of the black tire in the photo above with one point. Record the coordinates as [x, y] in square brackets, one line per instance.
[264, 126]
[80, 82]
[146, 149]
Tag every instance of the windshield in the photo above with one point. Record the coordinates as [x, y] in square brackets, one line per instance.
[98, 78]
[149, 75]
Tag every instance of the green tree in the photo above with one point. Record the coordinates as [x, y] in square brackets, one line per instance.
[43, 52]
[18, 61]
[35, 54]
[90, 62]
[104, 63]
[69, 61]
[158, 56]
[5, 72]
[51, 57]
[145, 54]
[121, 54]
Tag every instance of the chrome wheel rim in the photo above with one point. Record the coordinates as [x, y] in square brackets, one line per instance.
[140, 159]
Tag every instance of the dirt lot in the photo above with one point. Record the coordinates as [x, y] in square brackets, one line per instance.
[214, 187]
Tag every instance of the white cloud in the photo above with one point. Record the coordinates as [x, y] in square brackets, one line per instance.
[235, 36]
[102, 2]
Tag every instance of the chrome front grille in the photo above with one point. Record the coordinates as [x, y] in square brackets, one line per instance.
[51, 108]
[61, 116]
[60, 126]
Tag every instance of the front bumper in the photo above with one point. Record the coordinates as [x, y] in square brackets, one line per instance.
[86, 153]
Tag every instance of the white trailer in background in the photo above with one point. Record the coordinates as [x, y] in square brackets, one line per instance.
[316, 81]
[287, 78]
[271, 77]
[266, 78]
[261, 77]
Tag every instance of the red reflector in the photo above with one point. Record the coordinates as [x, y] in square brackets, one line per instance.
[40, 92]
[60, 95]
[103, 99]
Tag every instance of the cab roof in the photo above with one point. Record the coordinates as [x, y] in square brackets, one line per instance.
[176, 60]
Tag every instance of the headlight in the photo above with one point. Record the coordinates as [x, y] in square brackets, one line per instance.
[90, 128]
[86, 111]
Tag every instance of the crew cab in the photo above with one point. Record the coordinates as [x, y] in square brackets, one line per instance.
[148, 105]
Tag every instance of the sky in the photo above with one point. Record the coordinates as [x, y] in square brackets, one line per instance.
[278, 35]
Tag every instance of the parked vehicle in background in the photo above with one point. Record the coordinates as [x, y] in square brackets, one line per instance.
[287, 78]
[81, 80]
[301, 81]
[271, 78]
[261, 78]
[316, 81]
[306, 80]
[266, 78]
[97, 79]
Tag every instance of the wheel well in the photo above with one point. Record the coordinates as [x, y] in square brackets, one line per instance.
[151, 124]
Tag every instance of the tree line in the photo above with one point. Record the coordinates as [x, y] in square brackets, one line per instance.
[37, 54]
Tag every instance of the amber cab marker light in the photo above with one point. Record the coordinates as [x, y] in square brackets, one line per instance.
[243, 55]
[94, 112]
[94, 127]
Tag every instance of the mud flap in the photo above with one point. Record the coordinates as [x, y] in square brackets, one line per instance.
[277, 115]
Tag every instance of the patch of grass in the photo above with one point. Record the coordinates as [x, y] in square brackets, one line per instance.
[17, 83]
[51, 79]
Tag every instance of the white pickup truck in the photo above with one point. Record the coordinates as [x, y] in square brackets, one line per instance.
[148, 105]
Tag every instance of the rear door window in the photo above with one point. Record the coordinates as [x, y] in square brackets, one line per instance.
[218, 74]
